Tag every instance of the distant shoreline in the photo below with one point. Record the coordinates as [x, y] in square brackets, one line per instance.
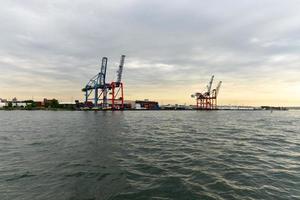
[193, 110]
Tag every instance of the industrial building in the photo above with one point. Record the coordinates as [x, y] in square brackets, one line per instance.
[127, 105]
[176, 107]
[16, 103]
[146, 105]
[68, 105]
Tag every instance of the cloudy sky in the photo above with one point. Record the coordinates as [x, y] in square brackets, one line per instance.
[52, 48]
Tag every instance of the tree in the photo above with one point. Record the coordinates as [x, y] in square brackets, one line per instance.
[54, 103]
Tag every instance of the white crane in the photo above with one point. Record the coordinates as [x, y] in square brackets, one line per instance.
[120, 70]
[215, 92]
[209, 86]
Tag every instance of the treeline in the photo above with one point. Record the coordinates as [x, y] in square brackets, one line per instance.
[52, 104]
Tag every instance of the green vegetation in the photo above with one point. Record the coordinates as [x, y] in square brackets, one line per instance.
[52, 104]
[47, 104]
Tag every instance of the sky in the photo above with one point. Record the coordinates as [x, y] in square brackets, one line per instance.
[52, 48]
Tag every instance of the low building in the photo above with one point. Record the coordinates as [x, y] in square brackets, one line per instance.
[273, 108]
[68, 105]
[128, 104]
[176, 107]
[146, 105]
[3, 103]
[19, 104]
[39, 104]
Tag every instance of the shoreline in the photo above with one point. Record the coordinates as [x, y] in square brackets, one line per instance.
[139, 110]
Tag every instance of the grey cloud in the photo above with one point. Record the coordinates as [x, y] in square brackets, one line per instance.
[63, 41]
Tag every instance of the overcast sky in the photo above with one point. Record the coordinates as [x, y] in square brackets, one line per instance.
[52, 48]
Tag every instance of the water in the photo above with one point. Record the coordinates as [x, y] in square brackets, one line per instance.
[149, 155]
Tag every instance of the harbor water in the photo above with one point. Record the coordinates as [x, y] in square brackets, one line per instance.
[49, 155]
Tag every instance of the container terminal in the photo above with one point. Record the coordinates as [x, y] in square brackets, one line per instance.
[102, 95]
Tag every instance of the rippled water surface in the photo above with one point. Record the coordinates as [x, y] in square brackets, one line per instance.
[149, 155]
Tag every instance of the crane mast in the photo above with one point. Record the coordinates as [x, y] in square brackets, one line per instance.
[210, 85]
[218, 88]
[102, 74]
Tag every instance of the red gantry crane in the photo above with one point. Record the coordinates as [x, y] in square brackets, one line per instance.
[207, 100]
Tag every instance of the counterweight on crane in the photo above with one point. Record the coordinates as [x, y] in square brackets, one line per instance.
[207, 100]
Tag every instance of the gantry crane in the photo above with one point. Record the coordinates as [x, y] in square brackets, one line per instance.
[100, 89]
[117, 93]
[208, 100]
[97, 86]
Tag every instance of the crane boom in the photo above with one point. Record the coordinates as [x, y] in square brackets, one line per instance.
[210, 85]
[102, 74]
[218, 87]
[120, 70]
